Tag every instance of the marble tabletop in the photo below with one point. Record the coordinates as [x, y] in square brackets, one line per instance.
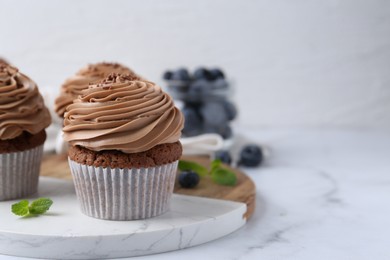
[321, 194]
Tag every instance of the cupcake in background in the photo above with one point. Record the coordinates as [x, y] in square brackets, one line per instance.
[124, 148]
[3, 61]
[74, 86]
[23, 119]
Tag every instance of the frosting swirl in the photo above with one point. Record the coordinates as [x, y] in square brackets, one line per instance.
[74, 86]
[21, 105]
[122, 113]
[3, 61]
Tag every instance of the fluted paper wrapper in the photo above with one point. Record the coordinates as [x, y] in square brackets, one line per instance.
[123, 194]
[19, 173]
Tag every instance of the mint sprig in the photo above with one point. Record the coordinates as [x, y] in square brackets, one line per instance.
[224, 177]
[20, 208]
[215, 164]
[39, 206]
[193, 166]
[218, 173]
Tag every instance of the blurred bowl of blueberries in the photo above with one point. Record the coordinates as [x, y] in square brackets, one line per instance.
[205, 94]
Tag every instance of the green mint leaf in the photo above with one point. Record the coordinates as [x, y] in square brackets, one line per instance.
[224, 177]
[215, 164]
[40, 206]
[196, 167]
[20, 208]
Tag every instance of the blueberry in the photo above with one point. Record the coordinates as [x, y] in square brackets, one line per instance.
[224, 156]
[226, 132]
[202, 73]
[167, 75]
[230, 109]
[181, 74]
[198, 90]
[194, 105]
[214, 114]
[220, 84]
[188, 179]
[216, 74]
[181, 87]
[210, 129]
[251, 156]
[193, 122]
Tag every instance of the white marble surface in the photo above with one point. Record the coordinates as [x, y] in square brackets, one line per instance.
[322, 194]
[66, 233]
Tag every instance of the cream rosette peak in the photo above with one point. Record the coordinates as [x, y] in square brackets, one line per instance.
[91, 74]
[122, 113]
[22, 108]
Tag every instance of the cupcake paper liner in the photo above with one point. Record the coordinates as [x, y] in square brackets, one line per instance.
[19, 173]
[123, 194]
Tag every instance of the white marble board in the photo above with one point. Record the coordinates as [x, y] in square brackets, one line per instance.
[64, 232]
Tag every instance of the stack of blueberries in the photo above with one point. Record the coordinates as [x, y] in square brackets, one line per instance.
[207, 109]
[205, 95]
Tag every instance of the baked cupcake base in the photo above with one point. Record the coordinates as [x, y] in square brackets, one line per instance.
[158, 155]
[123, 194]
[20, 161]
[117, 186]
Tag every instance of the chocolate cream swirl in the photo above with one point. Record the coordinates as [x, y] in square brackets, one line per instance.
[74, 86]
[122, 113]
[21, 105]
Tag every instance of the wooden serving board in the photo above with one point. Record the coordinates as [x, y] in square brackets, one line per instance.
[245, 190]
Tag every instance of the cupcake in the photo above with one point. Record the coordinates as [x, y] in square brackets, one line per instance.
[74, 86]
[23, 119]
[3, 61]
[124, 148]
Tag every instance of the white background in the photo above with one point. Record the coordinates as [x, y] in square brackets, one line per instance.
[295, 63]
